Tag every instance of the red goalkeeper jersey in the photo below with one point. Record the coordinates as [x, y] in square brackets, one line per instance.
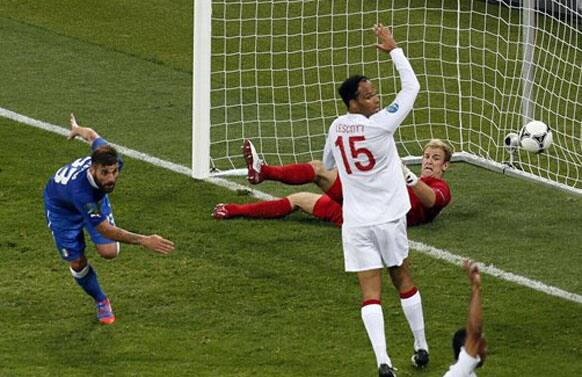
[418, 213]
[329, 208]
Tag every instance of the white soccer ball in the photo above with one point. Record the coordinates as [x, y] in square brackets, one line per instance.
[511, 141]
[535, 137]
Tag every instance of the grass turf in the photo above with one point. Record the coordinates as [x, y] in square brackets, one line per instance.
[238, 298]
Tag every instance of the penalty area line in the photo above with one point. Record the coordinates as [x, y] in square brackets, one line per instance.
[418, 246]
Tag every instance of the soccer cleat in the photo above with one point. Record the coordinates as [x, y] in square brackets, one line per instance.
[419, 358]
[104, 312]
[386, 371]
[254, 164]
[220, 212]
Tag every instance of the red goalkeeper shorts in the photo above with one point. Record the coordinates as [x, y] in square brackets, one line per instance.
[329, 210]
[335, 191]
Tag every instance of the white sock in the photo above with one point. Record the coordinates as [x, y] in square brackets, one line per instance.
[373, 319]
[412, 308]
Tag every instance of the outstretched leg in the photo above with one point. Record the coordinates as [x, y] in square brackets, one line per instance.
[269, 209]
[291, 174]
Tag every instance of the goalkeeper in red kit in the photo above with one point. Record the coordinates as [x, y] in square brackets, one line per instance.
[428, 194]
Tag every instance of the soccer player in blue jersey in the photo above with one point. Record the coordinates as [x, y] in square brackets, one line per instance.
[76, 198]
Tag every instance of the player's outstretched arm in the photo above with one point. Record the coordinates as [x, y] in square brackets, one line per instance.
[423, 192]
[387, 42]
[88, 134]
[410, 86]
[152, 242]
[475, 342]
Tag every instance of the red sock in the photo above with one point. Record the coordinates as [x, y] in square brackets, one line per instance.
[262, 210]
[292, 174]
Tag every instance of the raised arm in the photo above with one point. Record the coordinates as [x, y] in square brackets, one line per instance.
[475, 342]
[410, 86]
[152, 242]
[88, 134]
[387, 41]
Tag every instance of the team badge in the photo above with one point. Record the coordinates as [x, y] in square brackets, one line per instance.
[392, 108]
[92, 210]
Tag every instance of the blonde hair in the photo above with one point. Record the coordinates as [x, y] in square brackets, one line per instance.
[438, 143]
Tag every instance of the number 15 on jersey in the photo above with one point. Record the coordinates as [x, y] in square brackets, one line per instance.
[355, 154]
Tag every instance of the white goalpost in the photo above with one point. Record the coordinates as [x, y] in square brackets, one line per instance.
[269, 71]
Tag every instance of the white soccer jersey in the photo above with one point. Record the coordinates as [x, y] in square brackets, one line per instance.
[364, 151]
[464, 367]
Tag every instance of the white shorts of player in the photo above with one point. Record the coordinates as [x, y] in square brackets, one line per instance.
[375, 246]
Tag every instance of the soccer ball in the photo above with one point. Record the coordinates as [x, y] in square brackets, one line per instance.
[535, 137]
[511, 141]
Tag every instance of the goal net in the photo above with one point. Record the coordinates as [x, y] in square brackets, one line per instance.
[485, 69]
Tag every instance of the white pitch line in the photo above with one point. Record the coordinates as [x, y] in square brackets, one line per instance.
[494, 271]
[420, 247]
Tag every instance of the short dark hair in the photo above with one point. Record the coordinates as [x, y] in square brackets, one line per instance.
[349, 88]
[459, 341]
[104, 155]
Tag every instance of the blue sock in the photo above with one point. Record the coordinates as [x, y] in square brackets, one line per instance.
[87, 279]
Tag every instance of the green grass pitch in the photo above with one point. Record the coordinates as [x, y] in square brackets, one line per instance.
[237, 298]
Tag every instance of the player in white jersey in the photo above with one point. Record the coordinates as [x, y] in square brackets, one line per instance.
[469, 345]
[361, 145]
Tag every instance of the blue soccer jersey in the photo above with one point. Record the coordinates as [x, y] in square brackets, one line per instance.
[73, 201]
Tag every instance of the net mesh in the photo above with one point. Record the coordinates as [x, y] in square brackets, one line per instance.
[276, 66]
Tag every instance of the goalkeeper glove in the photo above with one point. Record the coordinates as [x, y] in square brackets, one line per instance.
[410, 178]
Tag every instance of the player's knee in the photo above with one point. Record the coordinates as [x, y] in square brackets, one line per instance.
[78, 264]
[292, 200]
[401, 278]
[304, 200]
[108, 251]
[318, 167]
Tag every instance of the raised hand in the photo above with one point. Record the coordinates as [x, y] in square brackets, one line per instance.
[472, 272]
[88, 134]
[384, 34]
[74, 128]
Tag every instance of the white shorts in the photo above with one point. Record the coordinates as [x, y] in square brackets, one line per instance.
[375, 246]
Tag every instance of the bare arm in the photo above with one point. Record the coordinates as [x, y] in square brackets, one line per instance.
[475, 342]
[153, 242]
[88, 134]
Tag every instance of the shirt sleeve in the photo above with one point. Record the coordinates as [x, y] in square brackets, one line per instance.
[396, 112]
[98, 142]
[442, 193]
[464, 367]
[408, 80]
[101, 141]
[328, 159]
